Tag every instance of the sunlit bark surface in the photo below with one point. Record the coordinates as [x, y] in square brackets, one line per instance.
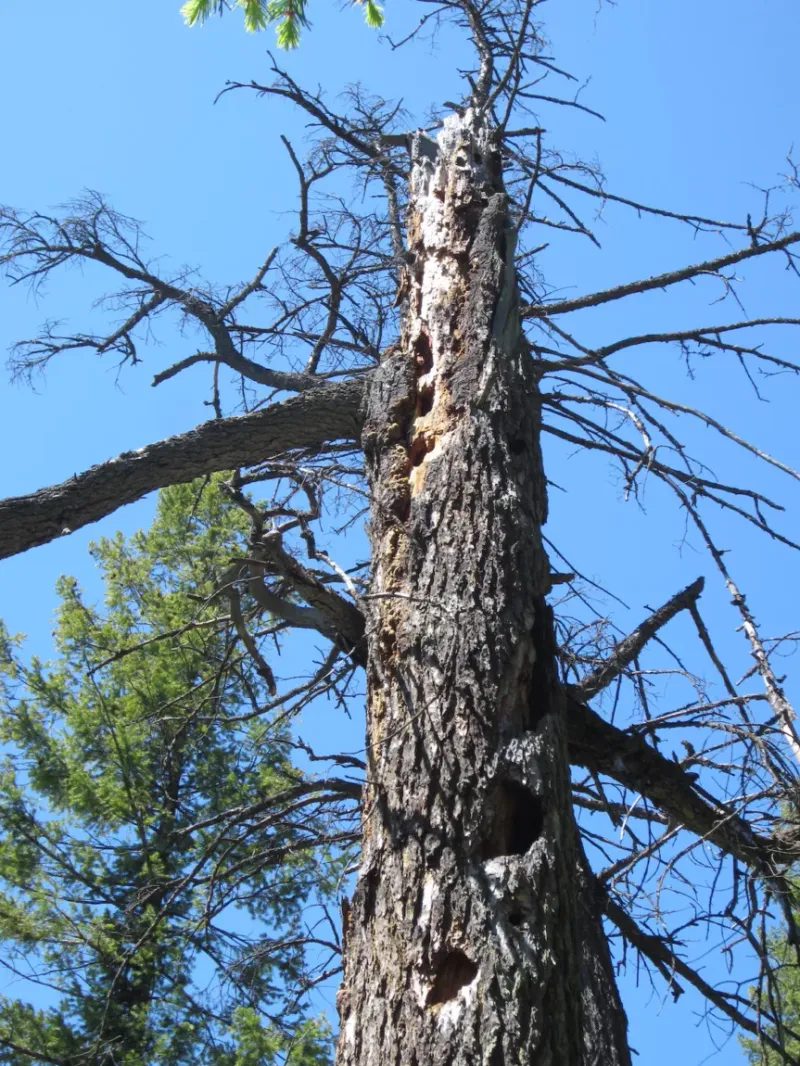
[472, 936]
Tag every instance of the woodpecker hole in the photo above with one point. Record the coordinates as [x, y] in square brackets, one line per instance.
[401, 507]
[369, 888]
[420, 446]
[425, 401]
[455, 972]
[423, 355]
[516, 445]
[515, 819]
[541, 701]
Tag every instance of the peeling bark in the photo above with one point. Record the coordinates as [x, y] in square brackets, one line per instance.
[474, 934]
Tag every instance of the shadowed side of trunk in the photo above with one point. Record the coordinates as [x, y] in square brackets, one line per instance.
[473, 936]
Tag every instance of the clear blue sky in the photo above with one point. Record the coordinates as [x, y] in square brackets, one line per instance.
[700, 100]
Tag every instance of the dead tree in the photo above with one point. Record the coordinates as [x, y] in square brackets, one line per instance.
[421, 337]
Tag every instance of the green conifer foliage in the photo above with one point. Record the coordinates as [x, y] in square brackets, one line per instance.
[288, 16]
[782, 1043]
[159, 857]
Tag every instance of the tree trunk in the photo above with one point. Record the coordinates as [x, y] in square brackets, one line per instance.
[473, 936]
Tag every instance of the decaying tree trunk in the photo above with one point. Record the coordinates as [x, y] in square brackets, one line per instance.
[473, 936]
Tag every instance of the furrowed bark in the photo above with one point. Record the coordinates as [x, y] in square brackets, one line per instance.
[473, 935]
[600, 746]
[315, 418]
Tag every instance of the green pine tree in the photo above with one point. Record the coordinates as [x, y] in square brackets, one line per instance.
[157, 853]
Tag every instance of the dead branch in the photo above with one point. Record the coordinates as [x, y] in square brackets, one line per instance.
[313, 419]
[659, 281]
[623, 653]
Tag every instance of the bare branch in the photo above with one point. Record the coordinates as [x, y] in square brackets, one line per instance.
[623, 653]
[668, 963]
[274, 379]
[659, 281]
[627, 758]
